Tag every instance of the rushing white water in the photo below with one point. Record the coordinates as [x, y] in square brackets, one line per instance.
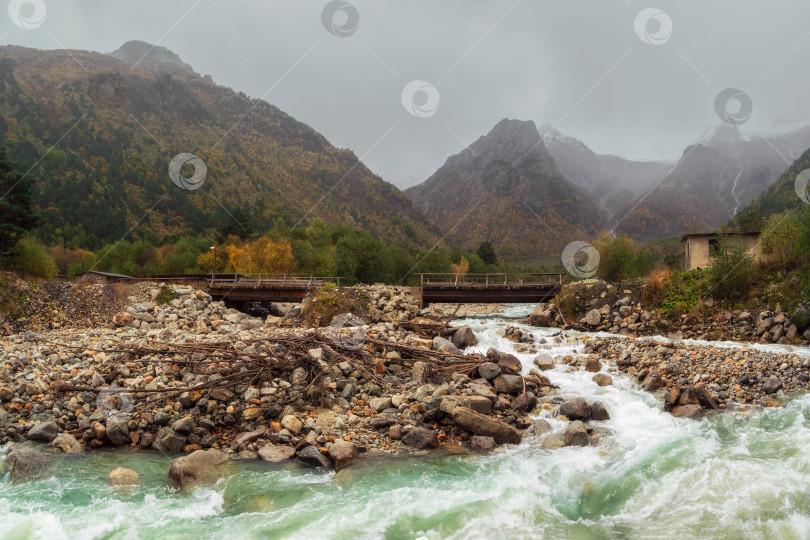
[655, 476]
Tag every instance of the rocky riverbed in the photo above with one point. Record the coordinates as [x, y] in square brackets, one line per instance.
[156, 377]
[602, 307]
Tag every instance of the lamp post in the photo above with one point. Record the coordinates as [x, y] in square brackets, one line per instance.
[214, 248]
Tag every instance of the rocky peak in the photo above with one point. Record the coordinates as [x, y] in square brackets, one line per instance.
[151, 57]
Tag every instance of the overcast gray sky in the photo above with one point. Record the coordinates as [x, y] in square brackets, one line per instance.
[583, 66]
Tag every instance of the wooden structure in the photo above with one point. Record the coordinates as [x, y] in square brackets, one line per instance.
[489, 288]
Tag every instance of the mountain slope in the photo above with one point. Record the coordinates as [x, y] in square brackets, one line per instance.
[612, 181]
[115, 127]
[506, 188]
[712, 182]
[776, 199]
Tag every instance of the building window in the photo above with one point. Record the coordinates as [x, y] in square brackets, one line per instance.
[713, 246]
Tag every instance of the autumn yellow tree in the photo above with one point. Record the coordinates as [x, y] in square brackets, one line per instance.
[262, 256]
[462, 267]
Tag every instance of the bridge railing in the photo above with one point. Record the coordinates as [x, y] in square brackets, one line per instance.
[490, 279]
[259, 281]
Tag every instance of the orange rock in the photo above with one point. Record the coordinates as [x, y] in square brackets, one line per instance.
[148, 379]
[442, 437]
[276, 426]
[347, 438]
[324, 450]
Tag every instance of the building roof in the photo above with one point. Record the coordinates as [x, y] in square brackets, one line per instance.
[714, 234]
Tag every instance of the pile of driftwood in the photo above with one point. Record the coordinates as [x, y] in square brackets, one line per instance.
[296, 357]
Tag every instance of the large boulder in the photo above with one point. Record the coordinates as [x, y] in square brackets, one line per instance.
[168, 442]
[67, 444]
[575, 434]
[599, 412]
[311, 455]
[445, 345]
[464, 337]
[544, 362]
[117, 429]
[276, 453]
[123, 477]
[480, 424]
[421, 438]
[482, 443]
[43, 432]
[688, 411]
[489, 370]
[508, 384]
[575, 409]
[592, 318]
[199, 467]
[26, 464]
[602, 379]
[652, 382]
[772, 385]
[504, 360]
[343, 453]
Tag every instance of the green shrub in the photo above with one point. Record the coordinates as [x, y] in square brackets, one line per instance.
[30, 258]
[731, 274]
[683, 291]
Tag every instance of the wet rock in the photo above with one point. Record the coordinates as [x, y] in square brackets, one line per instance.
[504, 360]
[575, 434]
[67, 444]
[482, 443]
[575, 409]
[602, 379]
[688, 396]
[311, 455]
[276, 453]
[525, 402]
[464, 337]
[652, 382]
[421, 438]
[598, 412]
[480, 424]
[123, 477]
[25, 465]
[43, 432]
[688, 411]
[593, 365]
[539, 427]
[552, 441]
[508, 384]
[197, 468]
[489, 370]
[544, 362]
[343, 453]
